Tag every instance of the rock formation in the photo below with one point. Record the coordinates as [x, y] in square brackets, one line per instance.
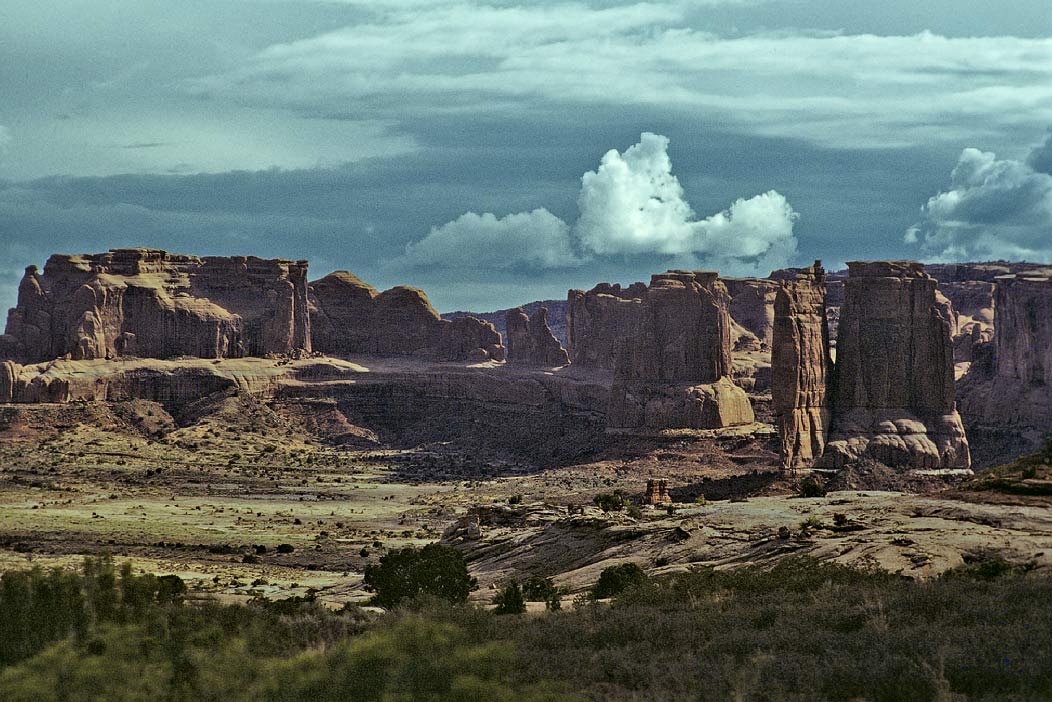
[673, 369]
[1006, 392]
[352, 317]
[530, 339]
[598, 320]
[893, 397]
[799, 367]
[149, 303]
[657, 492]
[752, 311]
[556, 317]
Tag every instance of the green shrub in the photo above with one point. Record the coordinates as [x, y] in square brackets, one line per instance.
[510, 600]
[405, 573]
[610, 502]
[616, 579]
[538, 589]
[811, 486]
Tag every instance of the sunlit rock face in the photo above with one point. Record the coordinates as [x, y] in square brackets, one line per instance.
[349, 316]
[892, 395]
[800, 365]
[153, 304]
[673, 370]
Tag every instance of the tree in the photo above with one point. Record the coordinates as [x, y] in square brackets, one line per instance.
[616, 579]
[510, 600]
[538, 589]
[407, 572]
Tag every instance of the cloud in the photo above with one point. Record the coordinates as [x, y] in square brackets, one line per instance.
[536, 239]
[5, 139]
[832, 88]
[632, 204]
[994, 208]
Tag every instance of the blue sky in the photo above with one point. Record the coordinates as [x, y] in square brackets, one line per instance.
[494, 153]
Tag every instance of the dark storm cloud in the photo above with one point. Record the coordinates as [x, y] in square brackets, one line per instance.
[994, 208]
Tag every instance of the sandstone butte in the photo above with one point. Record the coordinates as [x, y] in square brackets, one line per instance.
[891, 395]
[148, 303]
[531, 341]
[673, 369]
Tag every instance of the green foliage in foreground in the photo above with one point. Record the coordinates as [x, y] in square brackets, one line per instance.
[409, 572]
[800, 631]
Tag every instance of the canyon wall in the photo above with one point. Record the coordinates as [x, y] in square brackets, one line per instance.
[352, 317]
[597, 321]
[149, 303]
[673, 368]
[752, 311]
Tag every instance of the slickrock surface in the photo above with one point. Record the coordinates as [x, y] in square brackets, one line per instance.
[530, 339]
[597, 321]
[893, 395]
[149, 303]
[349, 316]
[799, 366]
[673, 370]
[752, 311]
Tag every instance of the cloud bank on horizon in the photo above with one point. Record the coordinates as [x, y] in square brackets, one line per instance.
[632, 204]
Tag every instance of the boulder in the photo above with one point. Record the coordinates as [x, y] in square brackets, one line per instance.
[531, 341]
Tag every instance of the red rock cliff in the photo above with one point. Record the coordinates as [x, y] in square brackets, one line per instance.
[149, 303]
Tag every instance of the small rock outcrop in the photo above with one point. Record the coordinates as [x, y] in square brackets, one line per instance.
[530, 340]
[800, 365]
[892, 397]
[657, 492]
[153, 304]
[673, 369]
[349, 316]
[598, 320]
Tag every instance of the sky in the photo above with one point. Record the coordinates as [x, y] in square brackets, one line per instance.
[499, 152]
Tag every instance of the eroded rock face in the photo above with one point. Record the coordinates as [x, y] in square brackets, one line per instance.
[153, 304]
[752, 311]
[1005, 394]
[598, 320]
[800, 364]
[673, 368]
[530, 340]
[349, 316]
[892, 396]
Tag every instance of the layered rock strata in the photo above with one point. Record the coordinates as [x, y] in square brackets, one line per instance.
[149, 303]
[1006, 392]
[598, 320]
[530, 339]
[892, 396]
[657, 492]
[752, 311]
[673, 369]
[349, 316]
[800, 365]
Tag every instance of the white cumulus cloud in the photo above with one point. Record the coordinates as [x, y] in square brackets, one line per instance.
[994, 208]
[632, 204]
[536, 239]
